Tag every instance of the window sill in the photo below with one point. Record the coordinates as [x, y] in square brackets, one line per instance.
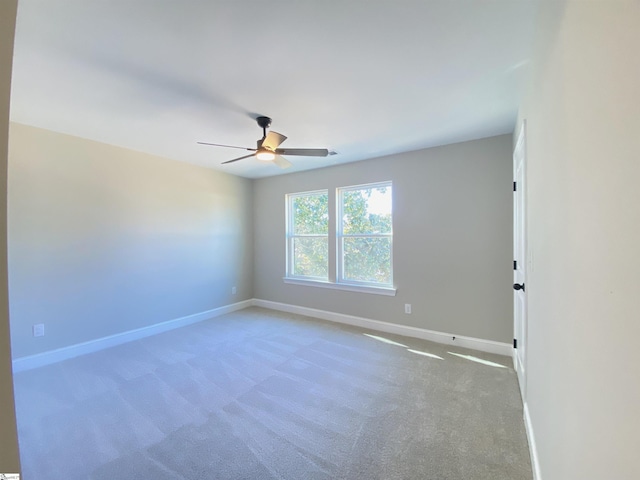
[388, 291]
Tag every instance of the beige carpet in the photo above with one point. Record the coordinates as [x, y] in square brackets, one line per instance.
[258, 394]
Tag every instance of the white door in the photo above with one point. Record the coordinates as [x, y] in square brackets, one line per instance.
[520, 261]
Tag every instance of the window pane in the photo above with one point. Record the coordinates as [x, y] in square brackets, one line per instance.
[367, 210]
[367, 259]
[311, 256]
[311, 214]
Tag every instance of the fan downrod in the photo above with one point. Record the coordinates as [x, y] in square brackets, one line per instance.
[263, 123]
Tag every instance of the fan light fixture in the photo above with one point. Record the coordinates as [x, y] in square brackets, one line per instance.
[266, 156]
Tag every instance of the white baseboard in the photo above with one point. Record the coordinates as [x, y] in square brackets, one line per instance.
[533, 451]
[415, 332]
[41, 359]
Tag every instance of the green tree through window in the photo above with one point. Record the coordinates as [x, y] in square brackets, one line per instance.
[308, 242]
[365, 235]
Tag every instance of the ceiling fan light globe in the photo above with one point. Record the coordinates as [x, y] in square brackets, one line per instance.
[265, 156]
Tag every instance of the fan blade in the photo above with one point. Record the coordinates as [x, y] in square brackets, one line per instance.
[282, 162]
[228, 146]
[236, 159]
[273, 140]
[304, 152]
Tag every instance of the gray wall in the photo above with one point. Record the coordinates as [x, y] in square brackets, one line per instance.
[103, 240]
[9, 458]
[583, 119]
[452, 239]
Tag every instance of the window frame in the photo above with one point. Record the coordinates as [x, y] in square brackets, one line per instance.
[291, 236]
[335, 218]
[340, 236]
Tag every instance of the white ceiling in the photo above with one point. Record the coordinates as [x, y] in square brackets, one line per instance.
[362, 77]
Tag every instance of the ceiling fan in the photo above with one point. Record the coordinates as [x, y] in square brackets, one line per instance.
[268, 151]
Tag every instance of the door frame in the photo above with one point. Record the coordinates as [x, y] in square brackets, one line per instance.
[520, 274]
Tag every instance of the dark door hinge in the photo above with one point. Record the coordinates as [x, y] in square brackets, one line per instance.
[515, 187]
[515, 264]
[515, 343]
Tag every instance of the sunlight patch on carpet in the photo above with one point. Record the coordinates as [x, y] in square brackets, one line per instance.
[477, 360]
[385, 340]
[425, 354]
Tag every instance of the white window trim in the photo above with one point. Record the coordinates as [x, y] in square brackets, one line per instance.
[349, 287]
[340, 280]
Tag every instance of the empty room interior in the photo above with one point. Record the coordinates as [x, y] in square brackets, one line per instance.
[329, 240]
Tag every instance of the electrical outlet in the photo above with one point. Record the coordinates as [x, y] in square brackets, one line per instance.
[407, 308]
[234, 290]
[38, 330]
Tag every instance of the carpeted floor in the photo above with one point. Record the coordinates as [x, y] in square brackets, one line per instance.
[259, 394]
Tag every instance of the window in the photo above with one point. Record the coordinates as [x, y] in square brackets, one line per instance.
[308, 235]
[365, 234]
[359, 255]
